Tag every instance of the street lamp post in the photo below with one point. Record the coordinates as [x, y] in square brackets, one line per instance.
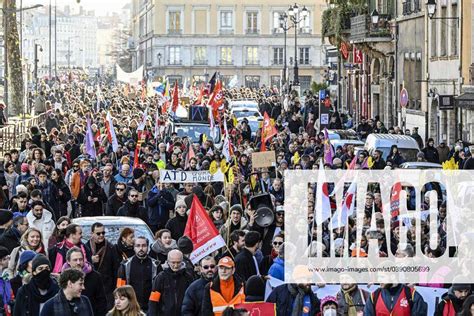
[285, 27]
[297, 16]
[36, 64]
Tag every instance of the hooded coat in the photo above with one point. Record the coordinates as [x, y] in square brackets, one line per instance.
[159, 250]
[93, 190]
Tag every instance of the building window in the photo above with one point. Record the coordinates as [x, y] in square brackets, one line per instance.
[434, 40]
[454, 30]
[305, 82]
[305, 25]
[226, 23]
[304, 56]
[226, 79]
[444, 32]
[252, 82]
[275, 81]
[175, 79]
[175, 55]
[276, 22]
[252, 22]
[226, 55]
[174, 26]
[200, 55]
[251, 55]
[278, 56]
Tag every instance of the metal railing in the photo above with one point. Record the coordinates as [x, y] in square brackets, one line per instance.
[200, 62]
[12, 134]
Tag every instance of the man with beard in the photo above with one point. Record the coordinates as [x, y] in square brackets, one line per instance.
[133, 207]
[225, 289]
[293, 297]
[139, 272]
[117, 200]
[195, 292]
[103, 259]
[93, 288]
[169, 286]
[42, 287]
[351, 299]
[452, 302]
[41, 219]
[237, 238]
[395, 299]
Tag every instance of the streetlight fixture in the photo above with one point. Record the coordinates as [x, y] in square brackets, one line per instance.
[297, 16]
[375, 17]
[285, 27]
[431, 6]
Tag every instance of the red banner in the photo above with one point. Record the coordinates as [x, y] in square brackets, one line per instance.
[258, 309]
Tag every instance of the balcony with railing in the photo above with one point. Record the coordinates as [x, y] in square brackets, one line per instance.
[200, 62]
[304, 62]
[277, 62]
[363, 30]
[175, 62]
[252, 62]
[226, 31]
[226, 62]
[252, 31]
[175, 32]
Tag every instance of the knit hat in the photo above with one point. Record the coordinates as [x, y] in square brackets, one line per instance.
[5, 216]
[39, 260]
[328, 299]
[180, 203]
[461, 287]
[25, 257]
[255, 288]
[3, 252]
[236, 207]
[185, 245]
[138, 173]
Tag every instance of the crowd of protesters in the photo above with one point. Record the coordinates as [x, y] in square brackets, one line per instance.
[48, 269]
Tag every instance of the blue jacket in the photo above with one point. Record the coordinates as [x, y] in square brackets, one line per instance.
[193, 298]
[277, 269]
[160, 202]
[283, 299]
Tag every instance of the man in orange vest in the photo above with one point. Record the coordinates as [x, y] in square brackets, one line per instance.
[395, 299]
[451, 302]
[226, 289]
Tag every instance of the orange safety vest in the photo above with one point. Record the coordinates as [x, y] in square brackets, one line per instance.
[219, 304]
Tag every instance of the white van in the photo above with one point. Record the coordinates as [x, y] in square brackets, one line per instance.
[407, 146]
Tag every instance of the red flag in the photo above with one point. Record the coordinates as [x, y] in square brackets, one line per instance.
[164, 107]
[201, 94]
[268, 130]
[217, 98]
[257, 309]
[202, 231]
[189, 155]
[395, 200]
[141, 140]
[175, 97]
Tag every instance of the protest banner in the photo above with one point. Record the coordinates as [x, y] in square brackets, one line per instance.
[263, 159]
[178, 176]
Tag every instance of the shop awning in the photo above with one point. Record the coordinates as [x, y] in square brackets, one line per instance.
[466, 101]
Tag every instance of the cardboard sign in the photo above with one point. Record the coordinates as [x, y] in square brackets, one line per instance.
[263, 159]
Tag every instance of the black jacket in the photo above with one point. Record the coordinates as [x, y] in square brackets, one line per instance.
[177, 225]
[94, 290]
[121, 252]
[107, 266]
[114, 203]
[29, 299]
[10, 239]
[172, 286]
[193, 298]
[431, 154]
[58, 202]
[133, 210]
[90, 208]
[245, 264]
[283, 299]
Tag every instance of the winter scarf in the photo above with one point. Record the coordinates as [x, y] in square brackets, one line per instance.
[61, 305]
[101, 253]
[298, 293]
[351, 311]
[58, 264]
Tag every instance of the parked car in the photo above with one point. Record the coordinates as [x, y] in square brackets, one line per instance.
[420, 165]
[249, 103]
[113, 226]
[407, 145]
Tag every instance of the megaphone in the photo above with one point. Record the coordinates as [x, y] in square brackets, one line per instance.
[263, 205]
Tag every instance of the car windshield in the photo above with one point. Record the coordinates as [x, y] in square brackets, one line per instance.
[408, 154]
[254, 125]
[194, 132]
[245, 113]
[112, 232]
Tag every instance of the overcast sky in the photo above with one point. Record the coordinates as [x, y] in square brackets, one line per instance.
[101, 7]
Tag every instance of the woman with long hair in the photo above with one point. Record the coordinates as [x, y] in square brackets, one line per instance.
[10, 177]
[59, 195]
[59, 230]
[30, 240]
[468, 306]
[125, 302]
[124, 246]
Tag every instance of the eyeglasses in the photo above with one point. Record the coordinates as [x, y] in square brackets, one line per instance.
[278, 243]
[119, 189]
[212, 266]
[280, 214]
[100, 233]
[133, 195]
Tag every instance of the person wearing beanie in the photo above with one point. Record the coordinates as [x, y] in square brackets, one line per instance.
[185, 245]
[328, 306]
[452, 301]
[431, 153]
[92, 198]
[236, 221]
[255, 289]
[6, 220]
[178, 223]
[25, 268]
[11, 238]
[139, 183]
[133, 207]
[41, 288]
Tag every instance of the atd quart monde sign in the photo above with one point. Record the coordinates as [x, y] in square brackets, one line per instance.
[398, 226]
